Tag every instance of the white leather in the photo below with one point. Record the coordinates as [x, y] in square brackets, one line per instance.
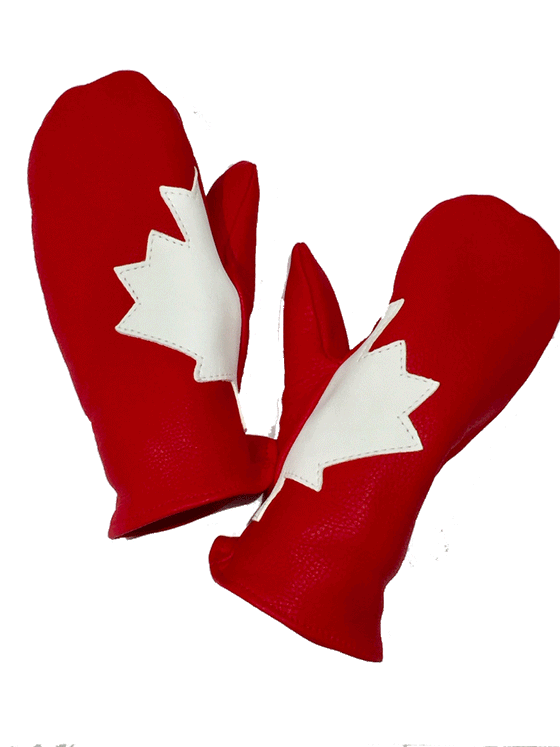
[184, 299]
[363, 412]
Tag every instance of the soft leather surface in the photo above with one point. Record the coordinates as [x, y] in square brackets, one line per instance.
[480, 284]
[173, 448]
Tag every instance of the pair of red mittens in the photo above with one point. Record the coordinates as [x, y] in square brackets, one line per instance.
[363, 433]
[149, 286]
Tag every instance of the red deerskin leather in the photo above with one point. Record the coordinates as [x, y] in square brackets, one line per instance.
[172, 447]
[480, 284]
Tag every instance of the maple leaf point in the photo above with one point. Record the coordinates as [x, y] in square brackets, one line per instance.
[363, 412]
[184, 298]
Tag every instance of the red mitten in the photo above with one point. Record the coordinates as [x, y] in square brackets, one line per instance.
[363, 434]
[149, 286]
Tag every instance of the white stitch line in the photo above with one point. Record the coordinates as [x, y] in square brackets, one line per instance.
[400, 416]
[137, 301]
[305, 459]
[193, 193]
[228, 313]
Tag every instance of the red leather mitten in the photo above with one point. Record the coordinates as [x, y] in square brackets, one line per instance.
[149, 286]
[364, 433]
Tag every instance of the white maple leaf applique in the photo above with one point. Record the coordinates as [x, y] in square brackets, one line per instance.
[184, 298]
[363, 412]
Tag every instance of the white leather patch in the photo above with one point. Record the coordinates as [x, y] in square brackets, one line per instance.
[363, 412]
[184, 299]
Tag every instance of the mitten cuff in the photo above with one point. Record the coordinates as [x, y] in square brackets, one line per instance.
[348, 621]
[173, 505]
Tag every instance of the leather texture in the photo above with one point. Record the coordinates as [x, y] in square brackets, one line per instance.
[173, 447]
[480, 285]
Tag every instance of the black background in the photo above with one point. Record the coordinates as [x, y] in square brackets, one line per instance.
[350, 167]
